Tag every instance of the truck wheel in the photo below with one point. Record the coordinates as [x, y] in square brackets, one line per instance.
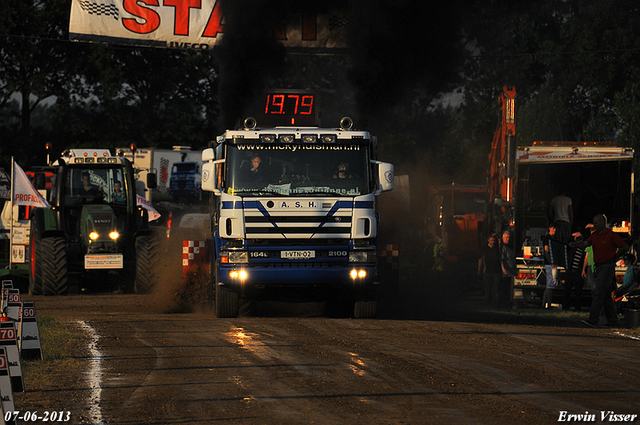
[146, 258]
[227, 303]
[365, 309]
[35, 272]
[53, 253]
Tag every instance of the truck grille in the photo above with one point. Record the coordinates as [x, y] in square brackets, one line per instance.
[275, 226]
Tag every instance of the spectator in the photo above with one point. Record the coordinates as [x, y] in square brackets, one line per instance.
[629, 282]
[490, 266]
[438, 255]
[607, 249]
[589, 267]
[573, 275]
[561, 211]
[509, 270]
[550, 269]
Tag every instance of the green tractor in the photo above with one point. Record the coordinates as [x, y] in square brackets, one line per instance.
[93, 228]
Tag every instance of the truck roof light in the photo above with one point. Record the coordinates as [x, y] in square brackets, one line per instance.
[286, 138]
[267, 138]
[309, 138]
[328, 138]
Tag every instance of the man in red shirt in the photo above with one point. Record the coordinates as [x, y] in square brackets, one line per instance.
[607, 249]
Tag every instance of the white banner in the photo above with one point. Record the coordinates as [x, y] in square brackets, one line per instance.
[153, 213]
[189, 24]
[23, 192]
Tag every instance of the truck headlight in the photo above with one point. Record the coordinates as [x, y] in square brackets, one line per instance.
[238, 274]
[362, 257]
[358, 274]
[238, 257]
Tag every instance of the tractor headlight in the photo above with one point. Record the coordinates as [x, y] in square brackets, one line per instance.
[94, 236]
[114, 235]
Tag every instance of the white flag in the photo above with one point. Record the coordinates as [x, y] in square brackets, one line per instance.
[153, 214]
[23, 192]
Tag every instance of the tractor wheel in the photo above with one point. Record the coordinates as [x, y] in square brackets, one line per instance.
[227, 302]
[146, 260]
[53, 269]
[35, 272]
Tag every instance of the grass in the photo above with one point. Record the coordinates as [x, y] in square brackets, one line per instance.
[63, 348]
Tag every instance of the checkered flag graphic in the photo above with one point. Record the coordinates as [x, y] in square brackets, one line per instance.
[100, 9]
[336, 22]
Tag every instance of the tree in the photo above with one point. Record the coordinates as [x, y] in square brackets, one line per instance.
[571, 63]
[32, 61]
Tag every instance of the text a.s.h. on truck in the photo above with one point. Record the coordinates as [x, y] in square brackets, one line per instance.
[295, 215]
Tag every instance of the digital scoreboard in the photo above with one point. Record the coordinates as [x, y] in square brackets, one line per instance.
[288, 108]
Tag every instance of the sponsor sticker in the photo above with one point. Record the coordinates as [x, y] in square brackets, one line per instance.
[105, 261]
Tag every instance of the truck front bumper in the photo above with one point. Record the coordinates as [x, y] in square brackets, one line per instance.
[354, 275]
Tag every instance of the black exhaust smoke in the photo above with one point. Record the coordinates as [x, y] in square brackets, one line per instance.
[248, 53]
[393, 46]
[397, 46]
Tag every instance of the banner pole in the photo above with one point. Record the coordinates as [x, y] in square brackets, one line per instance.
[11, 225]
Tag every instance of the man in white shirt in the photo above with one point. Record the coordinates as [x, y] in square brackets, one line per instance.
[561, 211]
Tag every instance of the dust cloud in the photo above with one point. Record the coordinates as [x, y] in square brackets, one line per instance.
[175, 292]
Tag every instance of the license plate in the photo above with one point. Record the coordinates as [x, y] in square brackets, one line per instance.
[106, 261]
[297, 255]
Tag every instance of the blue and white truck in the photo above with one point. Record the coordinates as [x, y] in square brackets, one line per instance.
[302, 223]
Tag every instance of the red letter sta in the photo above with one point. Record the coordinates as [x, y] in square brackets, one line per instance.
[151, 18]
[181, 26]
[214, 25]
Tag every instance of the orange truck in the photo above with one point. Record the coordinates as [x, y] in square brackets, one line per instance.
[460, 213]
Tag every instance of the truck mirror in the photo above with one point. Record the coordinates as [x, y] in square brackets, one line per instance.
[211, 175]
[208, 155]
[152, 181]
[384, 177]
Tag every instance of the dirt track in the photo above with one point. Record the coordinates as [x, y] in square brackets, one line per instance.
[292, 365]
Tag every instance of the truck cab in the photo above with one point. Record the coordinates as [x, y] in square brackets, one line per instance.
[294, 212]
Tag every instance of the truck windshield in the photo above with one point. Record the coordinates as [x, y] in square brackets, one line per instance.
[297, 170]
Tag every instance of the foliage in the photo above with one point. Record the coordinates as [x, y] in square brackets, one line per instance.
[32, 63]
[574, 65]
[92, 94]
